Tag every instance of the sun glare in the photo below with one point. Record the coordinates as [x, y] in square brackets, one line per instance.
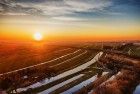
[38, 36]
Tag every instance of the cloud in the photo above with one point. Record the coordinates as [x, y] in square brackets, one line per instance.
[9, 7]
[51, 7]
[1, 9]
[73, 10]
[64, 18]
[88, 5]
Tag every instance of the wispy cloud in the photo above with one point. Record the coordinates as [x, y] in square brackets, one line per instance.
[88, 5]
[64, 18]
[9, 7]
[68, 9]
[51, 7]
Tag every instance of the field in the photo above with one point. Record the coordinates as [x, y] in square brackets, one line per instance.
[41, 68]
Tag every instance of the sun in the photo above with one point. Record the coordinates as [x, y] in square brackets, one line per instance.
[38, 36]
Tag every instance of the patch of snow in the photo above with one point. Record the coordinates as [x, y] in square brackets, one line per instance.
[25, 76]
[84, 83]
[111, 78]
[104, 73]
[64, 74]
[62, 50]
[69, 59]
[137, 90]
[91, 92]
[60, 85]
[41, 63]
[79, 86]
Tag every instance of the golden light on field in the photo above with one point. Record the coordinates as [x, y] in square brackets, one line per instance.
[38, 36]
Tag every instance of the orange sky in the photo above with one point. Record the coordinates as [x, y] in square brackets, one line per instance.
[23, 30]
[70, 20]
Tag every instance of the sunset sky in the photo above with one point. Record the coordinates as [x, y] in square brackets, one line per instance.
[70, 20]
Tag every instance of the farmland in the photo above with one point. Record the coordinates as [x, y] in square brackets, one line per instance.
[41, 68]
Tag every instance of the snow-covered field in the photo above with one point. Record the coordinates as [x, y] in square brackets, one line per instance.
[62, 75]
[70, 59]
[112, 77]
[60, 85]
[43, 62]
[79, 86]
[84, 83]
